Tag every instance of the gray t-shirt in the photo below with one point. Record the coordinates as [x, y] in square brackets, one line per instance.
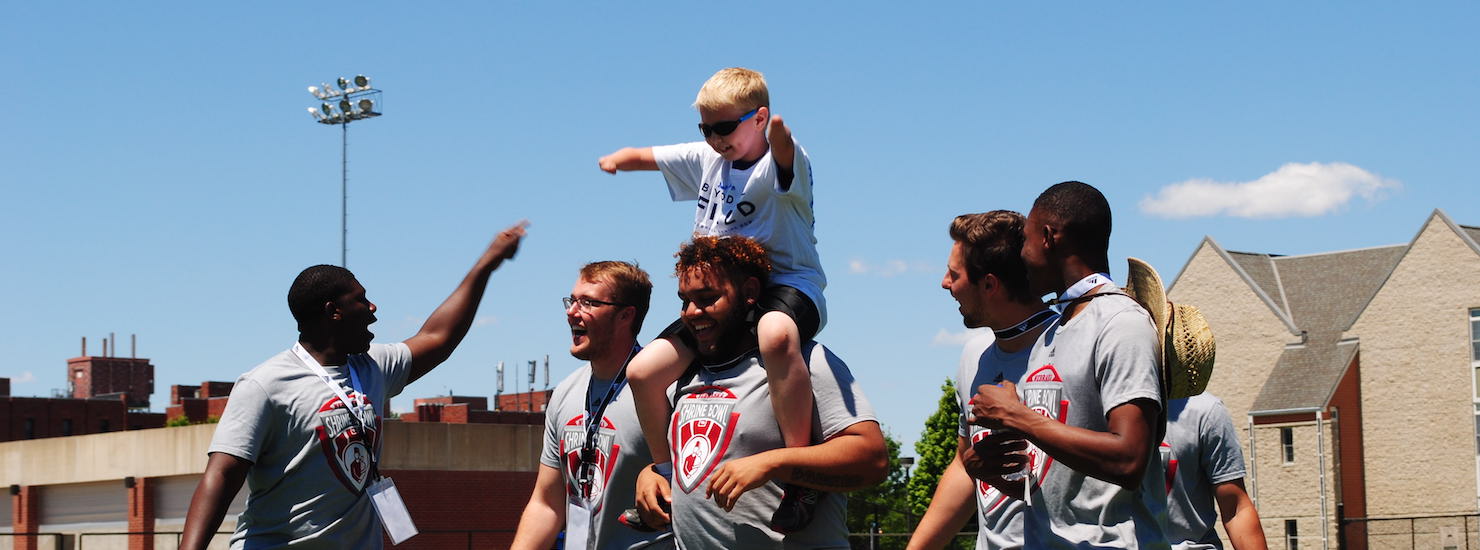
[1204, 452]
[724, 413]
[1104, 357]
[999, 517]
[621, 453]
[310, 457]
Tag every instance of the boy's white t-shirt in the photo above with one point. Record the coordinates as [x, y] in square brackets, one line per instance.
[751, 203]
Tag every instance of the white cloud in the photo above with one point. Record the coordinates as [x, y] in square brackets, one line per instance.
[25, 377]
[956, 339]
[1294, 190]
[887, 269]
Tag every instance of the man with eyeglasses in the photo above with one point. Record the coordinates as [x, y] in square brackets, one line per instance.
[593, 447]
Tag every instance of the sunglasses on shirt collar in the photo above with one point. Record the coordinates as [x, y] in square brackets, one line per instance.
[727, 127]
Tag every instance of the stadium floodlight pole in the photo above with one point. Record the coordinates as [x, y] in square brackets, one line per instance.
[357, 101]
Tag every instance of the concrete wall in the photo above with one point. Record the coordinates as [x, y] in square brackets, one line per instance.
[182, 451]
[1249, 335]
[1418, 415]
[1293, 490]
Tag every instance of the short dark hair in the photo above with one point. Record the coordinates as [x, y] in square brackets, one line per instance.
[736, 257]
[630, 285]
[1083, 216]
[992, 242]
[316, 286]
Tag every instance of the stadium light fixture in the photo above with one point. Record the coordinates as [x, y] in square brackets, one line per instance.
[356, 101]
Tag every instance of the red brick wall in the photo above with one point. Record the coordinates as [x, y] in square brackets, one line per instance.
[215, 389]
[450, 501]
[141, 513]
[22, 408]
[528, 401]
[25, 516]
[180, 391]
[474, 403]
[144, 420]
[104, 375]
[1347, 400]
[99, 411]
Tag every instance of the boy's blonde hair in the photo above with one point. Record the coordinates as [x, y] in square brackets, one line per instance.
[734, 87]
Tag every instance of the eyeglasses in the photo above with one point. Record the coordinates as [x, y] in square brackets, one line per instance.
[587, 304]
[727, 127]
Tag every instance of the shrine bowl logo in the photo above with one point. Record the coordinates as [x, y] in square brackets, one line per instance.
[1043, 392]
[572, 439]
[345, 445]
[703, 423]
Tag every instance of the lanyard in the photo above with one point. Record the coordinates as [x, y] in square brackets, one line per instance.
[356, 406]
[594, 418]
[1033, 321]
[1084, 285]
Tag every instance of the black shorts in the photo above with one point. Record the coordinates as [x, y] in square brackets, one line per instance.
[794, 303]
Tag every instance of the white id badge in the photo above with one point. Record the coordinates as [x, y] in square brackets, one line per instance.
[577, 525]
[392, 511]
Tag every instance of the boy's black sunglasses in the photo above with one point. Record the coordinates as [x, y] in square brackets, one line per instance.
[727, 127]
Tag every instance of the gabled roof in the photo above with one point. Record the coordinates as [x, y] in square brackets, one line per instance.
[1304, 377]
[1318, 297]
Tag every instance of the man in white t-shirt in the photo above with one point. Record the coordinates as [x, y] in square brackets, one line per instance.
[302, 429]
[1091, 400]
[593, 445]
[986, 276]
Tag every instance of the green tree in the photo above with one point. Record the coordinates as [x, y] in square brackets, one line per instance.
[936, 449]
[881, 508]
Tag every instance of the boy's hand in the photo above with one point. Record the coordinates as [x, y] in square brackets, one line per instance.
[608, 163]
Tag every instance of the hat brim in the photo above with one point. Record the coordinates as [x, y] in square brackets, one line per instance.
[1144, 284]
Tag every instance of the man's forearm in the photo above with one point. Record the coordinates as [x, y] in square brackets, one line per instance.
[538, 526]
[1240, 518]
[1119, 456]
[854, 459]
[950, 509]
[218, 485]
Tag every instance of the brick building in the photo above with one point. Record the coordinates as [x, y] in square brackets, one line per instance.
[92, 376]
[24, 418]
[1354, 374]
[464, 473]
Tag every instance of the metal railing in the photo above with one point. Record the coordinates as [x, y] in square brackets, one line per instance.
[965, 540]
[1444, 532]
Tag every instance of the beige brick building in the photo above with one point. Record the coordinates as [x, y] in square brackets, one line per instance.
[1355, 375]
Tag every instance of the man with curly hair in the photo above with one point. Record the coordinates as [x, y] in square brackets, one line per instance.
[729, 456]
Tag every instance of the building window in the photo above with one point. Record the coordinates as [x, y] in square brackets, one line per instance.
[1287, 444]
[30, 429]
[66, 427]
[1292, 536]
[103, 425]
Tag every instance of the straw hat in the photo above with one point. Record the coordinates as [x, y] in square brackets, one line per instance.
[1187, 346]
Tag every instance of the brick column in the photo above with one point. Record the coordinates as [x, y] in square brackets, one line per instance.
[141, 513]
[25, 516]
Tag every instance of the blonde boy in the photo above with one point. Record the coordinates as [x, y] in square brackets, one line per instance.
[751, 179]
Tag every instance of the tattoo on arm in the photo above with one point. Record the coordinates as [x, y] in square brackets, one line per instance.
[834, 481]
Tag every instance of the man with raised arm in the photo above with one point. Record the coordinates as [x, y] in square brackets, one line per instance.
[303, 429]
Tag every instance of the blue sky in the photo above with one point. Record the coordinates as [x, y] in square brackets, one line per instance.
[161, 177]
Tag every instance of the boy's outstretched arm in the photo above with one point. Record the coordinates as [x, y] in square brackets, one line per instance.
[783, 151]
[628, 159]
